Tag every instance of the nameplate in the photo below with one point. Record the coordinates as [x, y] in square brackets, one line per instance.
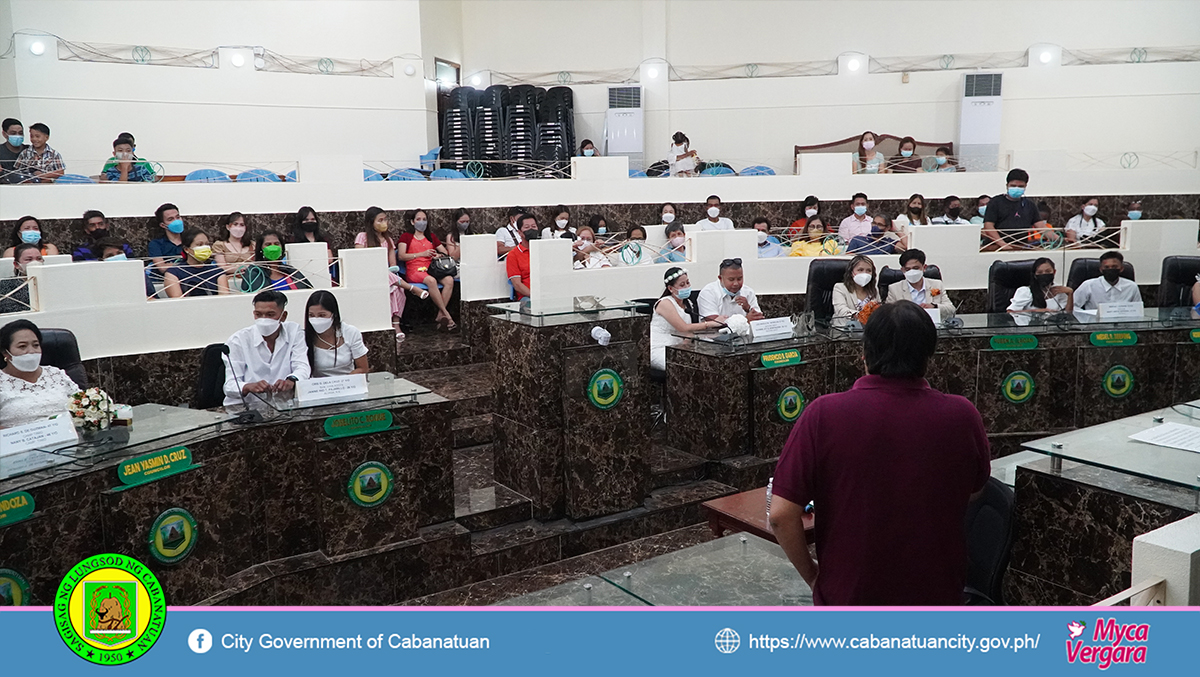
[331, 387]
[781, 358]
[358, 423]
[1114, 338]
[1015, 342]
[1121, 311]
[1196, 336]
[772, 327]
[935, 314]
[15, 507]
[154, 466]
[52, 433]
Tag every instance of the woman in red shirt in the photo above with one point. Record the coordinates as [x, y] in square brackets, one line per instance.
[415, 249]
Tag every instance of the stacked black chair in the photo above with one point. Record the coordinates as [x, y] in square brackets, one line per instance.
[520, 139]
[1004, 278]
[522, 131]
[823, 274]
[1083, 270]
[458, 129]
[1178, 275]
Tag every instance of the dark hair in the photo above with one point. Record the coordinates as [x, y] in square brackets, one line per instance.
[672, 227]
[1043, 207]
[848, 278]
[948, 199]
[228, 219]
[187, 237]
[162, 209]
[8, 330]
[629, 233]
[810, 200]
[1039, 294]
[9, 122]
[679, 138]
[126, 135]
[886, 219]
[594, 222]
[858, 195]
[106, 243]
[369, 226]
[907, 139]
[983, 197]
[410, 215]
[660, 209]
[298, 232]
[39, 127]
[898, 341]
[91, 214]
[325, 299]
[258, 249]
[942, 149]
[452, 233]
[815, 217]
[713, 197]
[522, 217]
[24, 247]
[271, 296]
[760, 219]
[689, 304]
[911, 254]
[1017, 175]
[515, 211]
[16, 232]
[862, 152]
[562, 209]
[122, 140]
[1132, 203]
[1111, 255]
[585, 142]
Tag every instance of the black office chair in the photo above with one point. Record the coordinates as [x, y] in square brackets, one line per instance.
[1004, 278]
[988, 527]
[888, 277]
[1083, 270]
[60, 349]
[818, 293]
[1178, 275]
[649, 309]
[210, 382]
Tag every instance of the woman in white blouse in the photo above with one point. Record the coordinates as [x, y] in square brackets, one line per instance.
[334, 348]
[682, 158]
[674, 313]
[29, 392]
[1043, 296]
[1085, 225]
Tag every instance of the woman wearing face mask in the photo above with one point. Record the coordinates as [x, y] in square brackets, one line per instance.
[857, 290]
[1085, 226]
[235, 247]
[906, 161]
[1134, 210]
[269, 271]
[29, 390]
[306, 227]
[587, 254]
[808, 210]
[416, 248]
[681, 157]
[816, 240]
[674, 312]
[198, 275]
[28, 230]
[1043, 296]
[14, 291]
[914, 215]
[453, 239]
[667, 213]
[375, 226]
[334, 347]
[942, 162]
[868, 160]
[675, 250]
[588, 149]
[562, 225]
[981, 204]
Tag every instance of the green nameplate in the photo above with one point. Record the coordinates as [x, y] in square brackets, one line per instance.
[360, 423]
[15, 507]
[782, 358]
[155, 466]
[1015, 342]
[1114, 338]
[1196, 336]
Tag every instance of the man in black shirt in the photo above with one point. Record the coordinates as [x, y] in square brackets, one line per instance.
[1010, 216]
[11, 131]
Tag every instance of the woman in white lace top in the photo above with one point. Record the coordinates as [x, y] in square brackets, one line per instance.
[29, 391]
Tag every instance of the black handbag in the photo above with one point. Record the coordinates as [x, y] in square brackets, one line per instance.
[442, 266]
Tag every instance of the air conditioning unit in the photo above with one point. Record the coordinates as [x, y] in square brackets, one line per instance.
[979, 123]
[625, 125]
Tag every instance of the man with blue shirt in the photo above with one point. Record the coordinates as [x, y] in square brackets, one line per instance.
[768, 245]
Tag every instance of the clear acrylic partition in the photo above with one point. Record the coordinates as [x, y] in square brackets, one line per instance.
[737, 570]
[1108, 446]
[590, 591]
[583, 309]
[151, 423]
[381, 385]
[1038, 323]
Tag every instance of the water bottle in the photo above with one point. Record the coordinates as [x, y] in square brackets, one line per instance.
[770, 481]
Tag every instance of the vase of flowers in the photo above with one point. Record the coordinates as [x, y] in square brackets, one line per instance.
[91, 410]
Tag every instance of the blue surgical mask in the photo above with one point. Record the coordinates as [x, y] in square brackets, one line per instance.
[1135, 215]
[31, 236]
[941, 159]
[589, 152]
[118, 257]
[684, 293]
[906, 153]
[860, 210]
[1015, 191]
[601, 230]
[16, 140]
[728, 293]
[175, 226]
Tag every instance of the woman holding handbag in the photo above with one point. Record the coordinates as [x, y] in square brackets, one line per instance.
[425, 260]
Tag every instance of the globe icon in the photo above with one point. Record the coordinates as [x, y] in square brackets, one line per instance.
[728, 641]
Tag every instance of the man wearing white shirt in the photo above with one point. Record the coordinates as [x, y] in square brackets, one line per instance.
[714, 221]
[268, 357]
[727, 295]
[857, 224]
[1110, 287]
[951, 212]
[509, 236]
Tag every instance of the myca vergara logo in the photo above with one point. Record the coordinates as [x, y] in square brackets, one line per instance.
[1111, 643]
[110, 609]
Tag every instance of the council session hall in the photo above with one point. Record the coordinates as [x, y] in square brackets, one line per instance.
[620, 303]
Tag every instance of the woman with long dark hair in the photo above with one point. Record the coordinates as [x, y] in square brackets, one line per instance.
[681, 157]
[235, 244]
[28, 230]
[453, 238]
[415, 249]
[270, 271]
[306, 227]
[1043, 296]
[674, 312]
[868, 159]
[375, 234]
[334, 347]
[857, 290]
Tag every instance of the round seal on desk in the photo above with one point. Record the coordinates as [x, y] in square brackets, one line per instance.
[605, 389]
[790, 404]
[14, 589]
[370, 484]
[173, 536]
[1118, 382]
[110, 609]
[1017, 387]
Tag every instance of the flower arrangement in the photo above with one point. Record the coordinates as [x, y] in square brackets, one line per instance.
[91, 409]
[867, 309]
[738, 325]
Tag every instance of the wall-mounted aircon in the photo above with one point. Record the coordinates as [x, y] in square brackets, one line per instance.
[625, 124]
[979, 123]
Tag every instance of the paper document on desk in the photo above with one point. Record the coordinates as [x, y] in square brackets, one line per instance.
[1173, 435]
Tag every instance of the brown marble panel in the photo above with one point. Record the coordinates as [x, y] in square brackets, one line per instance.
[1187, 372]
[381, 349]
[290, 512]
[1153, 375]
[708, 408]
[165, 378]
[529, 461]
[1052, 406]
[475, 329]
[771, 431]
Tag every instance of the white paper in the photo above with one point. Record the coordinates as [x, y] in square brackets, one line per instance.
[1121, 311]
[329, 387]
[772, 326]
[50, 433]
[935, 314]
[1172, 435]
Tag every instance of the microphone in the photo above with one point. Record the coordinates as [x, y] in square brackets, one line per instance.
[248, 415]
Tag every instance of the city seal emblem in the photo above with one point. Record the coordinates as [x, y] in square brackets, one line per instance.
[605, 389]
[370, 484]
[790, 404]
[1017, 387]
[110, 609]
[173, 536]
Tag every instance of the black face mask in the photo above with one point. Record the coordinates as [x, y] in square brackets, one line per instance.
[1045, 279]
[99, 233]
[953, 212]
[308, 226]
[531, 235]
[1111, 275]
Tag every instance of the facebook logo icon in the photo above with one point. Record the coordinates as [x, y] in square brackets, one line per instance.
[200, 641]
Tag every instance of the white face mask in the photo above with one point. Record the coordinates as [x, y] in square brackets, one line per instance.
[26, 363]
[863, 279]
[1090, 210]
[668, 217]
[237, 231]
[913, 275]
[762, 237]
[810, 212]
[561, 223]
[266, 326]
[714, 212]
[321, 324]
[868, 145]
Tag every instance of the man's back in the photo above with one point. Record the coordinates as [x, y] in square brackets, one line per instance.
[890, 466]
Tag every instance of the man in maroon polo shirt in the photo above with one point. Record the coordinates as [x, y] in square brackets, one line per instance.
[890, 467]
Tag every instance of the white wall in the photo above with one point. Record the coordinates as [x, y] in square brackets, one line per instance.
[441, 37]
